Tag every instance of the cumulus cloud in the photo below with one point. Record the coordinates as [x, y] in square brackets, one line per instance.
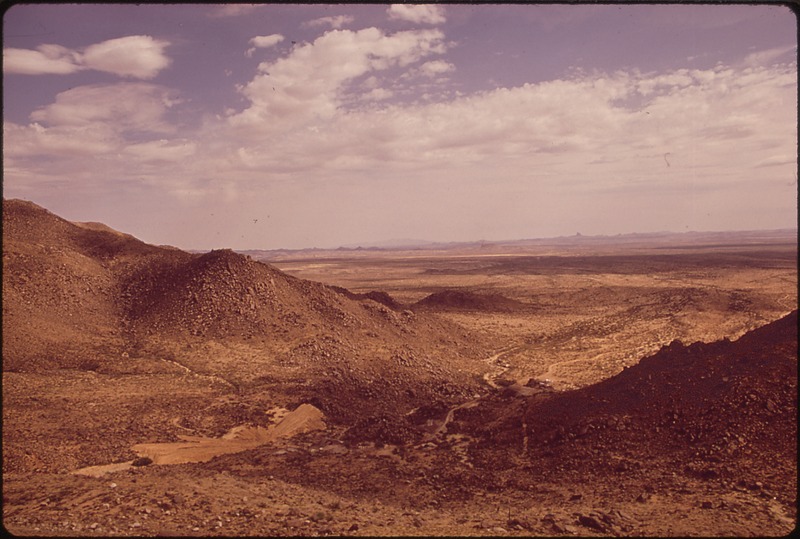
[127, 105]
[308, 84]
[619, 125]
[101, 138]
[138, 56]
[141, 57]
[266, 41]
[90, 123]
[423, 13]
[768, 56]
[378, 94]
[335, 22]
[34, 143]
[263, 42]
[46, 59]
[436, 67]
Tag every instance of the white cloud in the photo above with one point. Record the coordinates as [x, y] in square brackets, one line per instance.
[95, 133]
[39, 143]
[423, 13]
[370, 82]
[266, 41]
[335, 22]
[47, 59]
[436, 67]
[308, 84]
[378, 94]
[769, 56]
[263, 42]
[127, 105]
[139, 56]
[577, 129]
[161, 150]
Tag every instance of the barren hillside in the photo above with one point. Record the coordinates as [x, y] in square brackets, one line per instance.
[87, 297]
[722, 412]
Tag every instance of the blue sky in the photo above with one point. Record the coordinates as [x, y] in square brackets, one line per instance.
[289, 126]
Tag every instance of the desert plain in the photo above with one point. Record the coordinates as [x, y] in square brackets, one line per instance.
[635, 385]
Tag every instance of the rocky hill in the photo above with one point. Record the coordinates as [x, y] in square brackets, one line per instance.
[59, 307]
[722, 412]
[78, 295]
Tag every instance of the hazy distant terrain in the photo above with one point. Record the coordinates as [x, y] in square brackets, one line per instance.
[561, 245]
[643, 384]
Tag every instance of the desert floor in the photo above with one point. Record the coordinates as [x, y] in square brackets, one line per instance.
[562, 318]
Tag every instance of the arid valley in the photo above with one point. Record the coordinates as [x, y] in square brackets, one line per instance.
[636, 385]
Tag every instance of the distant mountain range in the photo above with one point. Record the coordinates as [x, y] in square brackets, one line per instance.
[396, 243]
[646, 239]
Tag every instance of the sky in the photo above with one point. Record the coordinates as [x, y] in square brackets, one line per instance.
[267, 126]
